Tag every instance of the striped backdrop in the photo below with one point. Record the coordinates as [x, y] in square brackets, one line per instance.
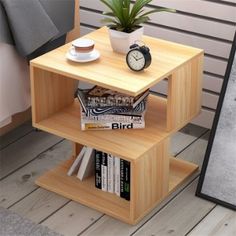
[209, 25]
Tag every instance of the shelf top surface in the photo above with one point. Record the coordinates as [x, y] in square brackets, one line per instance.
[111, 71]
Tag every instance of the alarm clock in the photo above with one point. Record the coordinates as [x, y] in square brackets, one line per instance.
[138, 57]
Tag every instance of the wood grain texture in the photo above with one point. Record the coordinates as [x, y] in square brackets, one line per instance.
[56, 180]
[147, 149]
[50, 92]
[179, 216]
[107, 226]
[21, 183]
[72, 219]
[15, 134]
[66, 219]
[220, 221]
[184, 94]
[167, 57]
[39, 204]
[150, 179]
[209, 100]
[66, 123]
[84, 192]
[12, 160]
[184, 138]
[209, 25]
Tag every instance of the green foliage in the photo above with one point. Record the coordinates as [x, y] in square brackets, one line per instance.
[125, 16]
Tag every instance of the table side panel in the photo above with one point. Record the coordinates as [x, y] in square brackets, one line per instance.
[149, 179]
[184, 93]
[50, 93]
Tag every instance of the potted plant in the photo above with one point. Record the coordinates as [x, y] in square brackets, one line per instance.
[124, 20]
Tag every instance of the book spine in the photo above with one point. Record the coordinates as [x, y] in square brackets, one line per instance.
[111, 118]
[117, 176]
[122, 179]
[127, 180]
[104, 171]
[98, 171]
[111, 125]
[81, 99]
[110, 170]
[111, 101]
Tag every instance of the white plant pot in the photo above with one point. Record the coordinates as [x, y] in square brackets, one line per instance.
[121, 41]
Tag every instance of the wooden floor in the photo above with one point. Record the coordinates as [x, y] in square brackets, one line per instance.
[26, 154]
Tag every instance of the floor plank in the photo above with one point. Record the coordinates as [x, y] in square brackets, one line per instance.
[181, 140]
[179, 216]
[185, 137]
[15, 134]
[198, 149]
[72, 219]
[25, 150]
[39, 205]
[220, 221]
[19, 184]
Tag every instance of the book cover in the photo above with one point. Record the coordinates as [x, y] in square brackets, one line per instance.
[98, 171]
[86, 168]
[110, 176]
[111, 125]
[76, 164]
[117, 176]
[104, 171]
[102, 97]
[127, 180]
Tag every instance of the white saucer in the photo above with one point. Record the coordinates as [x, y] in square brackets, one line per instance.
[94, 55]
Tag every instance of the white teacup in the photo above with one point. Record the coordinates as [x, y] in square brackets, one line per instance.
[81, 47]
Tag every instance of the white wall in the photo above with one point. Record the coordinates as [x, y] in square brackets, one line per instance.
[209, 25]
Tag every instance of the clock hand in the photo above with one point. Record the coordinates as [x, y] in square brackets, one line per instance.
[139, 58]
[134, 58]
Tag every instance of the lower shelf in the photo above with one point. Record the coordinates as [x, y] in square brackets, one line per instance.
[56, 180]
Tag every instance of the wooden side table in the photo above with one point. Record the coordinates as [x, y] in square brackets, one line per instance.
[154, 173]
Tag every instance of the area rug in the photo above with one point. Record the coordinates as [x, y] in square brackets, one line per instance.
[12, 224]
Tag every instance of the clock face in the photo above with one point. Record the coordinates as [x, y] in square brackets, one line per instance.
[136, 60]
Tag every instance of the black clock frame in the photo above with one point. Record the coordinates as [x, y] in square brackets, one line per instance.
[146, 53]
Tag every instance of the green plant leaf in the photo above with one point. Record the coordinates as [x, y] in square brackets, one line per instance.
[141, 20]
[108, 20]
[157, 10]
[126, 17]
[109, 4]
[137, 7]
[106, 13]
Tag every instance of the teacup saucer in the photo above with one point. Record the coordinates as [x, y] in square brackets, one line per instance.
[92, 56]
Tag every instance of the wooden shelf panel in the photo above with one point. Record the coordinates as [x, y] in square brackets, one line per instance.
[166, 57]
[180, 170]
[128, 144]
[56, 180]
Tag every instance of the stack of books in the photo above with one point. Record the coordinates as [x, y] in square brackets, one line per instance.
[112, 174]
[104, 109]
